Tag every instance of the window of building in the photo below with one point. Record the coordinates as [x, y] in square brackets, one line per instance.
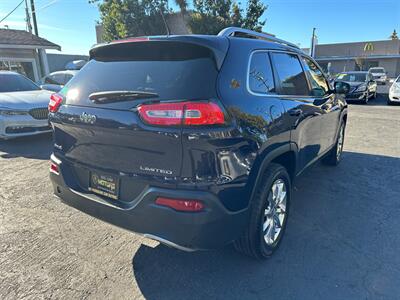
[291, 76]
[261, 80]
[21, 67]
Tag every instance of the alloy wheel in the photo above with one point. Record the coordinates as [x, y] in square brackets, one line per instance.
[275, 213]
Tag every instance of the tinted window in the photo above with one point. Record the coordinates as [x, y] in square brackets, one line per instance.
[319, 86]
[68, 77]
[291, 76]
[16, 83]
[171, 73]
[261, 79]
[58, 79]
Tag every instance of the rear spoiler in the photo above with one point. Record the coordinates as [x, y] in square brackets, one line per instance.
[123, 49]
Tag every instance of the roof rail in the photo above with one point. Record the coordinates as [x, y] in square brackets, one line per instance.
[236, 31]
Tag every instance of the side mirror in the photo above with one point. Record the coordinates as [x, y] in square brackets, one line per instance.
[341, 87]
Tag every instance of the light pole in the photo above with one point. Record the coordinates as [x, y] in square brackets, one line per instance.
[312, 52]
[35, 27]
[28, 17]
[42, 68]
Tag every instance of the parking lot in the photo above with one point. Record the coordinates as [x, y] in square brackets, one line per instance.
[342, 239]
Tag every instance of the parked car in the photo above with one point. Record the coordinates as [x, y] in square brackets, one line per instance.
[362, 85]
[202, 155]
[394, 92]
[379, 74]
[57, 80]
[23, 106]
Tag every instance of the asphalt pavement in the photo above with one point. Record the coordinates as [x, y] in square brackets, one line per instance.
[342, 240]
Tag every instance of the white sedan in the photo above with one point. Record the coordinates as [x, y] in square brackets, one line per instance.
[394, 92]
[23, 106]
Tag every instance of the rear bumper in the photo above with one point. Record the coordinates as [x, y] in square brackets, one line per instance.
[212, 228]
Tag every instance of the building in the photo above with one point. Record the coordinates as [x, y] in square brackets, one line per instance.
[24, 53]
[335, 58]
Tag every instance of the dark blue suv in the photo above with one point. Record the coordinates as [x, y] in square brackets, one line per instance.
[194, 140]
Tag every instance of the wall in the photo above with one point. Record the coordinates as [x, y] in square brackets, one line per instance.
[57, 62]
[359, 49]
[391, 65]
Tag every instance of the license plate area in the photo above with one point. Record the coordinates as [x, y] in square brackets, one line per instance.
[104, 184]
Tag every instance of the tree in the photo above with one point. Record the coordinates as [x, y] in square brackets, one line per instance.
[394, 36]
[210, 17]
[124, 18]
[183, 5]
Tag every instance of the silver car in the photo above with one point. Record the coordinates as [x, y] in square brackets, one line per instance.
[55, 81]
[23, 106]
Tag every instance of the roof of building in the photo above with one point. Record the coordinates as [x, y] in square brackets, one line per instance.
[11, 38]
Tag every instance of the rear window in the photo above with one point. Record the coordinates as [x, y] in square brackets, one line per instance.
[16, 83]
[171, 71]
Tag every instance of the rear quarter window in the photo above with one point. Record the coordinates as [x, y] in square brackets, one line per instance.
[260, 77]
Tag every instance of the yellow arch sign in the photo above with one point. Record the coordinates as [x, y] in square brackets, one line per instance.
[368, 47]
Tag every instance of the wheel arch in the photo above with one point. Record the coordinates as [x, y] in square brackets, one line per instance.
[284, 155]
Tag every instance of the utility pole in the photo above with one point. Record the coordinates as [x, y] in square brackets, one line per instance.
[28, 17]
[312, 50]
[34, 18]
[43, 67]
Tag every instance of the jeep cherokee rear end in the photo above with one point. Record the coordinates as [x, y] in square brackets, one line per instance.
[193, 140]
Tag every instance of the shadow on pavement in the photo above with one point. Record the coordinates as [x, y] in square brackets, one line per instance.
[36, 147]
[341, 243]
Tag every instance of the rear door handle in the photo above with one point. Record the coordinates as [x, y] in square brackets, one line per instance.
[295, 112]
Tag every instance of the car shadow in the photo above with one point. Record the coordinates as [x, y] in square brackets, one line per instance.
[36, 147]
[381, 100]
[340, 243]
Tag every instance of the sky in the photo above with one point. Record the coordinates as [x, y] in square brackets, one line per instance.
[71, 23]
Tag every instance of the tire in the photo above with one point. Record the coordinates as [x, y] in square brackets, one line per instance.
[334, 156]
[260, 240]
[366, 98]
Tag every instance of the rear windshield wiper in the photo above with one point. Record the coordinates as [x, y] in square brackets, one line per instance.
[116, 96]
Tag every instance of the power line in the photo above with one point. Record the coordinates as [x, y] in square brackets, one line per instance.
[12, 11]
[48, 4]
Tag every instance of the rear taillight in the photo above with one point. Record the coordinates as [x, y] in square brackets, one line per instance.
[54, 168]
[182, 113]
[181, 204]
[55, 102]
